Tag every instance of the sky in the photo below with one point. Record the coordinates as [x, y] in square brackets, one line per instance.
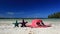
[28, 8]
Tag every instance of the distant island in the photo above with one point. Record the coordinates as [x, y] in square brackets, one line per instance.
[54, 15]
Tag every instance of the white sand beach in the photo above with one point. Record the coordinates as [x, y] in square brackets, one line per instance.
[26, 30]
[10, 29]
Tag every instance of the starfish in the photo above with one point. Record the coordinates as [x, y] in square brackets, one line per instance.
[23, 23]
[16, 24]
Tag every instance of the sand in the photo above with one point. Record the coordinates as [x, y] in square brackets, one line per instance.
[10, 29]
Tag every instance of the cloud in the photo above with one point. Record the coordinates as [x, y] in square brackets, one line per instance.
[14, 13]
[10, 13]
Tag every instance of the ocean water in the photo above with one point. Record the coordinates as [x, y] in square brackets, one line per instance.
[10, 21]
